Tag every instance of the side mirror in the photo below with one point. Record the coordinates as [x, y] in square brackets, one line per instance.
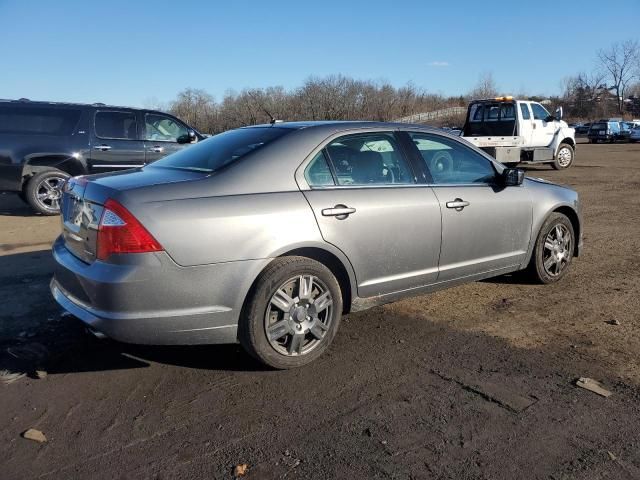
[559, 113]
[188, 137]
[512, 177]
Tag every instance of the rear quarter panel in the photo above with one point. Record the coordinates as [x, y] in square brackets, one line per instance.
[197, 231]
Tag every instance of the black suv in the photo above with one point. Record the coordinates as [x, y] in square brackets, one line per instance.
[42, 144]
[605, 131]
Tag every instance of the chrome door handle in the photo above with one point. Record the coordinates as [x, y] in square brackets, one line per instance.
[458, 204]
[155, 149]
[339, 211]
[102, 148]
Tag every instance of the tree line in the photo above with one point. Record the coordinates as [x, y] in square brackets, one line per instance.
[598, 93]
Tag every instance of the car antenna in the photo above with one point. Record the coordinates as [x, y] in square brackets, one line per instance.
[272, 119]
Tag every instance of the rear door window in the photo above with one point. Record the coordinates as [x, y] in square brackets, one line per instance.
[318, 173]
[369, 159]
[116, 125]
[38, 121]
[524, 108]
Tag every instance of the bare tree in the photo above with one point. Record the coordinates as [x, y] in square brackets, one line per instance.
[583, 92]
[485, 88]
[196, 107]
[334, 97]
[621, 62]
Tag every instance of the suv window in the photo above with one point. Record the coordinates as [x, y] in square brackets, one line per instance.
[524, 108]
[539, 112]
[220, 150]
[38, 121]
[117, 125]
[369, 159]
[161, 128]
[450, 162]
[318, 173]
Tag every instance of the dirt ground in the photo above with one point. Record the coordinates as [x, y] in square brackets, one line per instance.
[477, 382]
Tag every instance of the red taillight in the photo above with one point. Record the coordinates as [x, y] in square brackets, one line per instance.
[120, 232]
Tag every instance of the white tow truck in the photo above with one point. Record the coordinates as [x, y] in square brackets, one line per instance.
[514, 131]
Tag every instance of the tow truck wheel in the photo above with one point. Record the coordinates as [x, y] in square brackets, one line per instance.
[564, 157]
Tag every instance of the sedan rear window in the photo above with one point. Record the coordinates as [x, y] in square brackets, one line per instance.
[222, 149]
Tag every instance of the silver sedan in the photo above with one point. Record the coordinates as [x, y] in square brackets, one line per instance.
[267, 235]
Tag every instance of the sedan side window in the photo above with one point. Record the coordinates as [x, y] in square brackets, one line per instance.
[369, 159]
[318, 173]
[451, 162]
[163, 129]
[117, 125]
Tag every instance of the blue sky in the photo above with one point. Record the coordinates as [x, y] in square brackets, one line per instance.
[131, 52]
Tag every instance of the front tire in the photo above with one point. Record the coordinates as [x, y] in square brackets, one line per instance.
[292, 314]
[44, 191]
[553, 250]
[564, 156]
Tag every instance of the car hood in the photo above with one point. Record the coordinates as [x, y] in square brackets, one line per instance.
[535, 181]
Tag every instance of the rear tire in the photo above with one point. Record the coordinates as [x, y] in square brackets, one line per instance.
[44, 191]
[284, 323]
[564, 157]
[553, 250]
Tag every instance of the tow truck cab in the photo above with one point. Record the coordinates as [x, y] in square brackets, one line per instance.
[514, 131]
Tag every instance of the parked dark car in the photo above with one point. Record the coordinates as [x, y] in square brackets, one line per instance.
[605, 131]
[583, 128]
[625, 130]
[43, 144]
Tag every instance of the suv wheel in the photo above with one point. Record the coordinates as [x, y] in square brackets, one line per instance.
[553, 250]
[44, 191]
[292, 314]
[564, 156]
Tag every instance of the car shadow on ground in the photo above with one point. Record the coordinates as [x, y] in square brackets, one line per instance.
[36, 334]
[12, 206]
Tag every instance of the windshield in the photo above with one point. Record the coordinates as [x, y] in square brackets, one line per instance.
[222, 149]
[598, 126]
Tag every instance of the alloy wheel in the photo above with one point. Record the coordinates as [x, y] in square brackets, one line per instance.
[557, 250]
[298, 315]
[49, 192]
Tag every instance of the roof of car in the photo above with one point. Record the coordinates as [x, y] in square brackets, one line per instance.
[26, 101]
[337, 125]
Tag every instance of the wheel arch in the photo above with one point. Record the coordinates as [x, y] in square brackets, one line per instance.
[572, 215]
[41, 162]
[330, 260]
[569, 141]
[333, 263]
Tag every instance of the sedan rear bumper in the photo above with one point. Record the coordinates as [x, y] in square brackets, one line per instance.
[148, 299]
